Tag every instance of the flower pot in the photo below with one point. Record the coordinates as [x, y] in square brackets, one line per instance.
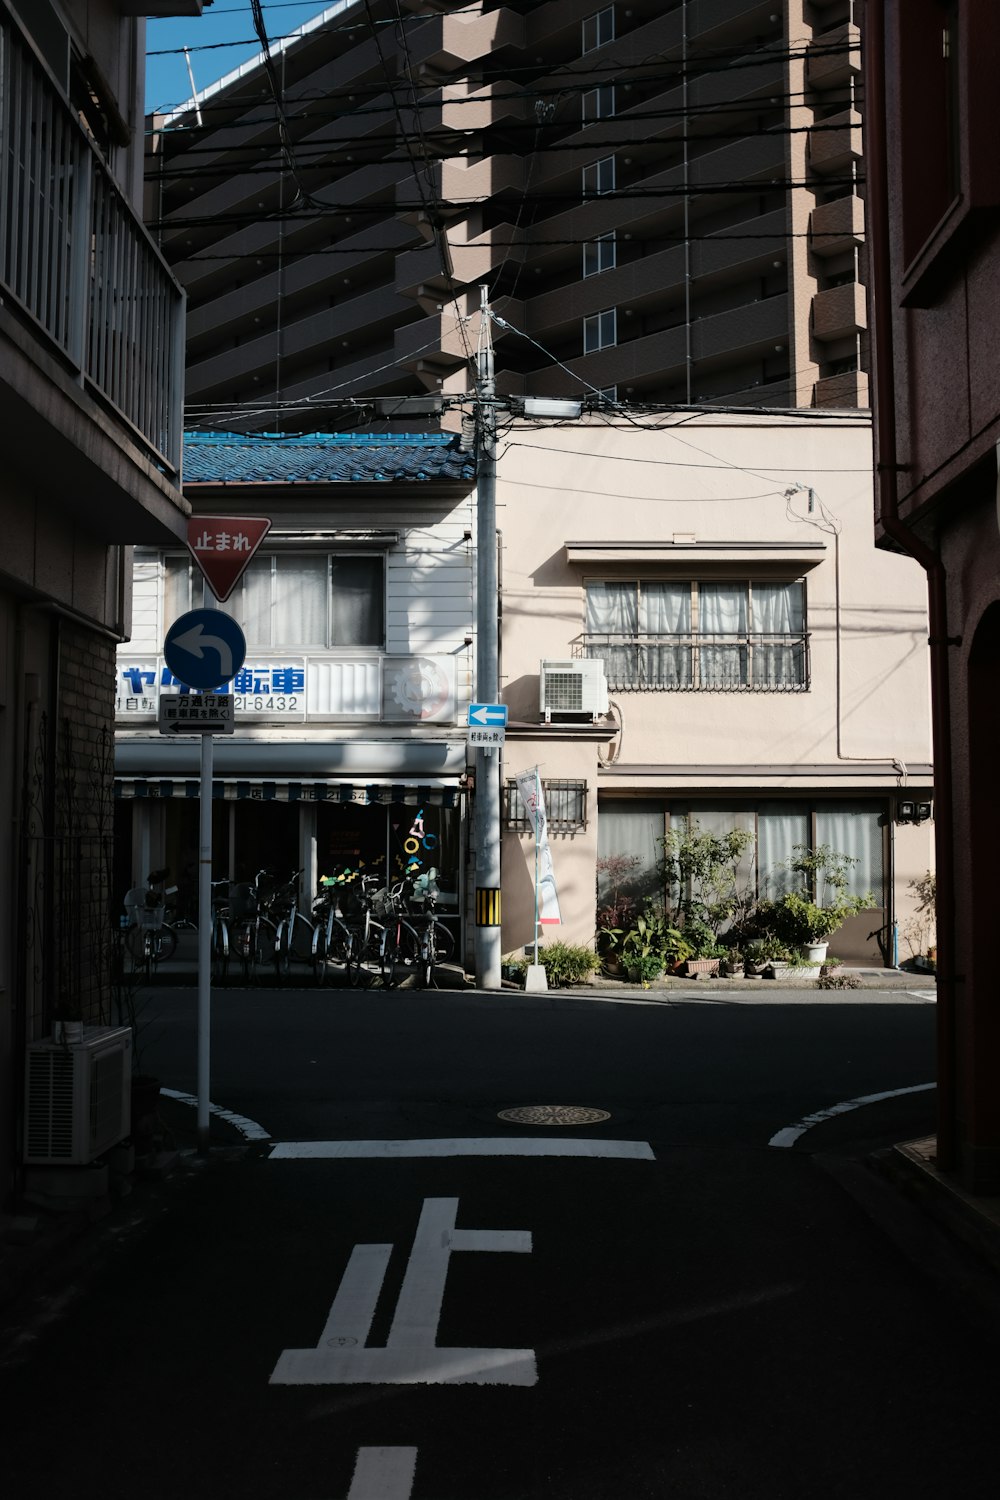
[814, 953]
[701, 966]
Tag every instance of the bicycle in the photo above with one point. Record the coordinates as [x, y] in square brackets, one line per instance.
[366, 931]
[399, 943]
[333, 939]
[148, 938]
[244, 903]
[435, 942]
[220, 931]
[286, 906]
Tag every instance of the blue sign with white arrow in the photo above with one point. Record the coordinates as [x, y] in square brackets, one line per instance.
[487, 715]
[204, 649]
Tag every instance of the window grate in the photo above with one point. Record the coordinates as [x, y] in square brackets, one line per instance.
[565, 806]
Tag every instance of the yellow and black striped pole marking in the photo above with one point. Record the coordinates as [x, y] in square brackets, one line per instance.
[487, 906]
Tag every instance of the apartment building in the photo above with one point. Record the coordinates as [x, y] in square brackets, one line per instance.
[935, 267]
[91, 385]
[662, 197]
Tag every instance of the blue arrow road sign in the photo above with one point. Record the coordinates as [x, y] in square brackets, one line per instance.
[484, 714]
[204, 648]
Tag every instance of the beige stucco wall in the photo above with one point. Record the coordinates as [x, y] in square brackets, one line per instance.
[691, 487]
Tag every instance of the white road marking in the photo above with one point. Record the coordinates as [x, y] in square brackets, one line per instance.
[498, 1146]
[249, 1129]
[923, 994]
[383, 1474]
[411, 1356]
[791, 1133]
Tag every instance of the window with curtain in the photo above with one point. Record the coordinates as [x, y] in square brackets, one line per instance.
[718, 636]
[854, 828]
[303, 601]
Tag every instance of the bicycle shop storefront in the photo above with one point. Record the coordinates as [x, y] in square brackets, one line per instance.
[373, 822]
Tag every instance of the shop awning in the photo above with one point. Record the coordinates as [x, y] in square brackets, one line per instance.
[435, 793]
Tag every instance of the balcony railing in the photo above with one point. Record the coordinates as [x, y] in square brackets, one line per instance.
[77, 260]
[745, 663]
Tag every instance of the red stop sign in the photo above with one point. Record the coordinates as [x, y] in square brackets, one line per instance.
[222, 546]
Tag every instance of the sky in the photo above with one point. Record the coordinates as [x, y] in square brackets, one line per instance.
[220, 39]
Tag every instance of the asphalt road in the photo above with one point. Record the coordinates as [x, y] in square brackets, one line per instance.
[685, 1311]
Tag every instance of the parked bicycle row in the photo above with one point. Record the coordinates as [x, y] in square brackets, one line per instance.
[357, 930]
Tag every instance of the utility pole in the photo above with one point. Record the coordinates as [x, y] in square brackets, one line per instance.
[487, 804]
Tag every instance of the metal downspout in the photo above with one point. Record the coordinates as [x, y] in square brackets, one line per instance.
[887, 491]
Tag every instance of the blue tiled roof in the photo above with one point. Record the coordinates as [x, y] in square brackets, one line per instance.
[324, 458]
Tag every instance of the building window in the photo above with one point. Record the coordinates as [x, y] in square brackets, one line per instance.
[565, 807]
[598, 29]
[929, 56]
[608, 395]
[598, 103]
[599, 177]
[685, 636]
[600, 254]
[301, 600]
[634, 829]
[600, 331]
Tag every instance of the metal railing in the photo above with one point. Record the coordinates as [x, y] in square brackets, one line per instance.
[78, 261]
[675, 663]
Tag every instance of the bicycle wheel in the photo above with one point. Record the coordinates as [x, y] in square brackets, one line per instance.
[352, 957]
[220, 951]
[389, 955]
[319, 954]
[282, 952]
[134, 943]
[245, 950]
[164, 944]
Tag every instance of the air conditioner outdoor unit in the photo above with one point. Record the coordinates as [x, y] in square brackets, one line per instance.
[572, 691]
[77, 1097]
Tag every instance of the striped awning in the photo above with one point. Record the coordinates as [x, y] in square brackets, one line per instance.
[411, 794]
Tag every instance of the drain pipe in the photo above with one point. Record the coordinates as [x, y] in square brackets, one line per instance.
[887, 490]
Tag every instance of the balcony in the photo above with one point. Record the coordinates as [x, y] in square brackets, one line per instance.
[835, 143]
[837, 226]
[77, 263]
[839, 312]
[834, 57]
[746, 663]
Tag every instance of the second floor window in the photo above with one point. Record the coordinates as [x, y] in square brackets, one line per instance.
[598, 29]
[690, 636]
[600, 331]
[599, 177]
[598, 104]
[302, 601]
[600, 254]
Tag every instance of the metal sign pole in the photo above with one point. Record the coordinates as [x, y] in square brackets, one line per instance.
[204, 937]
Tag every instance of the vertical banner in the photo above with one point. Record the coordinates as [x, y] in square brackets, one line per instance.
[530, 789]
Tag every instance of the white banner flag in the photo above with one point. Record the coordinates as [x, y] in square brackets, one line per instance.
[530, 789]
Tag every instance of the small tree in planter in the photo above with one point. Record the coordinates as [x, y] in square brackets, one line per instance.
[709, 885]
[799, 920]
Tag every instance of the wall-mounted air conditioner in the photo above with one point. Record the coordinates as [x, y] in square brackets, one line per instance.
[77, 1097]
[572, 692]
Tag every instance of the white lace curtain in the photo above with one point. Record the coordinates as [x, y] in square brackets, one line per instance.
[627, 613]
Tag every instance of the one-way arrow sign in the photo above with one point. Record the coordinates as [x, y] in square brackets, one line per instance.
[482, 715]
[196, 713]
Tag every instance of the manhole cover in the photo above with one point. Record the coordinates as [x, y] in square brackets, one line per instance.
[553, 1114]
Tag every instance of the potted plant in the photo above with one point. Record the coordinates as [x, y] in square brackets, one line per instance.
[802, 922]
[653, 945]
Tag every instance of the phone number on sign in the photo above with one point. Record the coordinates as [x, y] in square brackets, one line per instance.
[269, 703]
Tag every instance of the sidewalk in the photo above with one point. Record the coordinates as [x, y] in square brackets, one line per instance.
[47, 1253]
